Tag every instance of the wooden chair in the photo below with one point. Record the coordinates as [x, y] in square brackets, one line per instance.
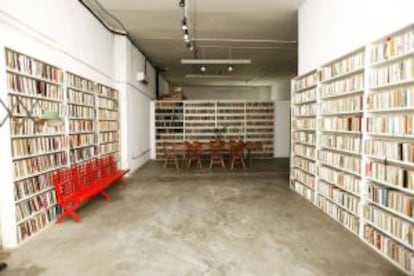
[237, 154]
[216, 154]
[194, 154]
[252, 147]
[170, 155]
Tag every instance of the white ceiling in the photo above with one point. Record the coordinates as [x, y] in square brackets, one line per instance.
[260, 30]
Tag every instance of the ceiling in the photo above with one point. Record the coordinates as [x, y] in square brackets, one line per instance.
[264, 31]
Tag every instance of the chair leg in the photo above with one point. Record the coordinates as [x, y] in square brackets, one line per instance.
[232, 164]
[176, 163]
[222, 163]
[200, 165]
[211, 164]
[165, 163]
[243, 163]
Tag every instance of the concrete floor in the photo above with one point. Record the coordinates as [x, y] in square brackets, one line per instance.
[199, 223]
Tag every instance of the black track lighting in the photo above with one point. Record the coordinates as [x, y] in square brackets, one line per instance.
[184, 26]
[186, 36]
[181, 3]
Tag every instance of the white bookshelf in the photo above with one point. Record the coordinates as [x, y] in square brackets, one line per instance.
[374, 200]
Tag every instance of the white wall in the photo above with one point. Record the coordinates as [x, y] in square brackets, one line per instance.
[330, 28]
[282, 129]
[65, 34]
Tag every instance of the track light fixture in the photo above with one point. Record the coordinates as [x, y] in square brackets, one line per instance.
[186, 36]
[181, 4]
[184, 26]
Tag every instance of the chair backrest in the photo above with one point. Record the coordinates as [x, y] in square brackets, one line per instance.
[237, 148]
[216, 146]
[167, 148]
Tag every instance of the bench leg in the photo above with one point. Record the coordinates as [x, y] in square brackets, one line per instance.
[69, 211]
[105, 195]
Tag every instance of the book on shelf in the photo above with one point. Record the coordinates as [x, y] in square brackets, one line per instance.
[390, 174]
[35, 204]
[390, 150]
[38, 164]
[343, 105]
[399, 98]
[401, 124]
[26, 86]
[304, 178]
[393, 73]
[41, 145]
[305, 82]
[343, 66]
[340, 161]
[303, 190]
[345, 86]
[346, 123]
[304, 97]
[343, 199]
[340, 142]
[392, 46]
[345, 181]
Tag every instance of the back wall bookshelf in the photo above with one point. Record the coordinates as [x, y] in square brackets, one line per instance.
[352, 152]
[91, 114]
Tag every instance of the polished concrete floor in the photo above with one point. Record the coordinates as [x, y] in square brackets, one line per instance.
[199, 223]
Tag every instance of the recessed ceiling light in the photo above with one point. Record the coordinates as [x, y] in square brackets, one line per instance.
[203, 68]
[230, 68]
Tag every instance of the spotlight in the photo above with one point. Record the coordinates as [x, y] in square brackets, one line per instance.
[203, 68]
[230, 68]
[190, 46]
[186, 36]
[184, 26]
[181, 3]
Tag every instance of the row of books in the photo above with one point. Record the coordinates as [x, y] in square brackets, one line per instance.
[76, 111]
[390, 224]
[304, 151]
[304, 123]
[31, 66]
[340, 197]
[305, 110]
[30, 186]
[107, 137]
[392, 199]
[37, 223]
[340, 142]
[109, 148]
[343, 66]
[390, 248]
[352, 123]
[392, 150]
[161, 111]
[340, 161]
[76, 97]
[348, 104]
[305, 97]
[26, 107]
[209, 124]
[33, 87]
[38, 145]
[303, 190]
[234, 119]
[108, 126]
[79, 140]
[107, 104]
[254, 119]
[395, 72]
[82, 154]
[345, 181]
[392, 46]
[305, 82]
[333, 210]
[342, 86]
[108, 92]
[26, 167]
[397, 98]
[81, 126]
[169, 124]
[197, 105]
[25, 126]
[391, 124]
[108, 115]
[80, 83]
[204, 111]
[168, 104]
[200, 118]
[305, 137]
[169, 117]
[305, 165]
[393, 175]
[33, 205]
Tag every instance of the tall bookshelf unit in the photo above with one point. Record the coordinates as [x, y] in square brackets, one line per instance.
[178, 121]
[81, 100]
[37, 151]
[91, 114]
[169, 124]
[108, 121]
[364, 135]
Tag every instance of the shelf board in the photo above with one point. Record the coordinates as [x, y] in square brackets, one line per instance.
[36, 154]
[340, 188]
[20, 178]
[392, 59]
[344, 94]
[395, 187]
[342, 132]
[303, 184]
[339, 205]
[394, 109]
[83, 119]
[80, 90]
[343, 75]
[83, 146]
[305, 115]
[342, 113]
[48, 189]
[391, 135]
[390, 210]
[303, 170]
[336, 220]
[341, 150]
[305, 157]
[306, 88]
[81, 104]
[33, 77]
[36, 135]
[36, 213]
[340, 169]
[41, 98]
[108, 108]
[306, 102]
[383, 159]
[82, 132]
[305, 143]
[389, 85]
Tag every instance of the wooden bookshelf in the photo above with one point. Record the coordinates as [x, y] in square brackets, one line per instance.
[37, 150]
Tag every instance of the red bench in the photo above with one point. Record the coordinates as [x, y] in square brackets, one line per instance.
[81, 182]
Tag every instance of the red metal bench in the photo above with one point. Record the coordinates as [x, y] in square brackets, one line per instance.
[81, 182]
